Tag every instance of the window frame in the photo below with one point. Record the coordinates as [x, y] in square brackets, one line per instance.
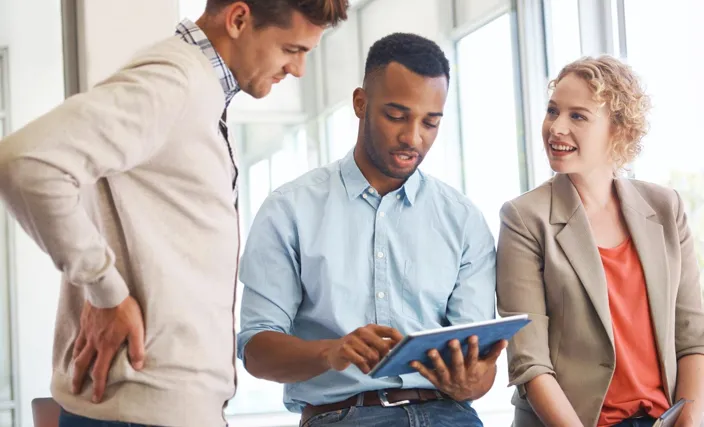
[7, 255]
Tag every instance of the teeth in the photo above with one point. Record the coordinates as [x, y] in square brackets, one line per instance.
[404, 157]
[562, 147]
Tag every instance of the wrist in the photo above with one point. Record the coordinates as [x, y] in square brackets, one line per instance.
[323, 354]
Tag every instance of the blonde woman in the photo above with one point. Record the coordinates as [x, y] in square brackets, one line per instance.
[604, 266]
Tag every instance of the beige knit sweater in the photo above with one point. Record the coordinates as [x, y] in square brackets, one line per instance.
[128, 188]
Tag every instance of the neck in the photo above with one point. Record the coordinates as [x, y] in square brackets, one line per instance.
[217, 37]
[381, 183]
[596, 189]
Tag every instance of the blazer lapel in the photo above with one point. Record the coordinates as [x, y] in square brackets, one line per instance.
[577, 242]
[649, 239]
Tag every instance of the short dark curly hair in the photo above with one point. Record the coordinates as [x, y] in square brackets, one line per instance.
[420, 55]
[324, 13]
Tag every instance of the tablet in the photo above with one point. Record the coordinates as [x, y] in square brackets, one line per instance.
[415, 346]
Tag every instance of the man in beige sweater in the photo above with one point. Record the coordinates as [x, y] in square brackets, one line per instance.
[131, 188]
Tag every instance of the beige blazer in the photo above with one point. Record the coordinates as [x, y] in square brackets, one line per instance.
[548, 266]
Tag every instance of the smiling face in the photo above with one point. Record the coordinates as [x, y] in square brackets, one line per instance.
[400, 112]
[262, 57]
[577, 131]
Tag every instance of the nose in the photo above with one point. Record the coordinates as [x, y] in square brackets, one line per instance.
[558, 127]
[411, 135]
[297, 68]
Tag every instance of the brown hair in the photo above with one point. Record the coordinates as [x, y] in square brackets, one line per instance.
[324, 13]
[616, 87]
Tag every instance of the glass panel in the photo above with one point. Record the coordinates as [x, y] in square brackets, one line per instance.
[6, 419]
[5, 345]
[255, 396]
[2, 127]
[259, 185]
[670, 153]
[291, 161]
[2, 81]
[562, 18]
[341, 127]
[492, 163]
[488, 117]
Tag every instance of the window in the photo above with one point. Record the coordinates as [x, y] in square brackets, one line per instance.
[260, 402]
[6, 345]
[6, 419]
[490, 142]
[492, 163]
[341, 127]
[668, 62]
[562, 19]
[291, 161]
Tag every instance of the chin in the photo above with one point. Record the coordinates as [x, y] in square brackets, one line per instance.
[259, 92]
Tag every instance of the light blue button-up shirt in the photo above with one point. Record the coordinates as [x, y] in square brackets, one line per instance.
[326, 255]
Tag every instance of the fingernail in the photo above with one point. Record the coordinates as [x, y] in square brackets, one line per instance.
[95, 399]
[139, 365]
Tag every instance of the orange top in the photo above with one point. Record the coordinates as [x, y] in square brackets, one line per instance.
[636, 387]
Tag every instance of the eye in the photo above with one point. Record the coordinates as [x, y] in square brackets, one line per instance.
[552, 111]
[393, 118]
[576, 116]
[290, 50]
[432, 125]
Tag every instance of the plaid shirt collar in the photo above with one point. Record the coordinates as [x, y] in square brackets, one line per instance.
[191, 33]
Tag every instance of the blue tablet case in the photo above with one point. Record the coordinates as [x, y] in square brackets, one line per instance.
[416, 346]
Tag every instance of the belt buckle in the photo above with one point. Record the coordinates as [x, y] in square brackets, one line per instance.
[384, 398]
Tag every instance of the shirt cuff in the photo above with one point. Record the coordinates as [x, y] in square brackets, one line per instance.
[109, 291]
[529, 375]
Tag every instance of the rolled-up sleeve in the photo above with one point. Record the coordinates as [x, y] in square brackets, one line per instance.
[473, 297]
[520, 290]
[689, 314]
[270, 272]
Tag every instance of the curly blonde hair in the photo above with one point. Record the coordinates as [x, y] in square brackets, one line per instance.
[617, 87]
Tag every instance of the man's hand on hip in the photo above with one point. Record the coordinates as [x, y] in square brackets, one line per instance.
[364, 347]
[467, 378]
[103, 331]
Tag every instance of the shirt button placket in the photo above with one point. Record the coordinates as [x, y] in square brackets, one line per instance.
[381, 259]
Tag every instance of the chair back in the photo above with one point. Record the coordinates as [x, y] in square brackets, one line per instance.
[45, 412]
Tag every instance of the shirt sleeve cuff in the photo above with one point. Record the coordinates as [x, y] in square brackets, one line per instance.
[109, 291]
[527, 376]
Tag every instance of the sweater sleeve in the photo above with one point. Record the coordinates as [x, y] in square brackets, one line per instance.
[112, 128]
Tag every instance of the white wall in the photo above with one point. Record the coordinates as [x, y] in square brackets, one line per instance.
[34, 40]
[36, 85]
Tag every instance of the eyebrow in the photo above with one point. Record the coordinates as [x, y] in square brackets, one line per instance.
[575, 108]
[298, 47]
[406, 109]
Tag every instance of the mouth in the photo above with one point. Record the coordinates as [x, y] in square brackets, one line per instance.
[404, 159]
[560, 148]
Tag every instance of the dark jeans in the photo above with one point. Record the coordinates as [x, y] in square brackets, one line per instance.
[442, 413]
[68, 419]
[637, 422]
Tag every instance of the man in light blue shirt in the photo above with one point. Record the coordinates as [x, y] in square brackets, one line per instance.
[345, 260]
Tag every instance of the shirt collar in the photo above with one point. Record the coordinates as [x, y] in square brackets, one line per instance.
[356, 184]
[192, 34]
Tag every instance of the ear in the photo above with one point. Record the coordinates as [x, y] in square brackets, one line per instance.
[359, 102]
[238, 17]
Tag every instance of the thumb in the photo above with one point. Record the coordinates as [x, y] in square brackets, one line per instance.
[496, 351]
[135, 346]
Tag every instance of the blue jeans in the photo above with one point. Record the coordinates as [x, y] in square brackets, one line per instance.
[637, 422]
[68, 419]
[439, 413]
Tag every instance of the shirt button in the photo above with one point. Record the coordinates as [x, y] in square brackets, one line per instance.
[398, 196]
[364, 196]
[380, 255]
[382, 214]
[381, 295]
[372, 191]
